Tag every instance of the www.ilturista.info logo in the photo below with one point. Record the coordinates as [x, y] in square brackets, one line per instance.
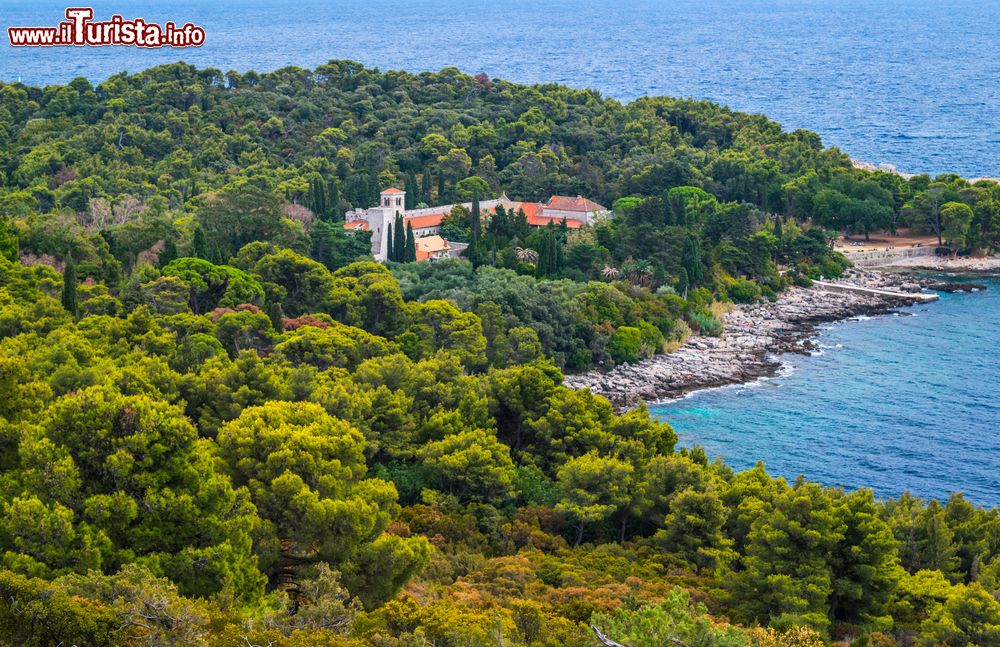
[79, 30]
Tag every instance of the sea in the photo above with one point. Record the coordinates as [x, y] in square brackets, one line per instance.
[900, 402]
[912, 83]
[896, 403]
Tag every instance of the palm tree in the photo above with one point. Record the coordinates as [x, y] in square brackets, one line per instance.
[526, 254]
[610, 273]
[627, 269]
[643, 273]
[638, 272]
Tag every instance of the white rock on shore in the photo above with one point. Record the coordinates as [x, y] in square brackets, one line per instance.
[754, 335]
[948, 264]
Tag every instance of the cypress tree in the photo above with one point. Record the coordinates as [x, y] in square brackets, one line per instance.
[558, 260]
[692, 263]
[318, 197]
[374, 192]
[441, 197]
[399, 239]
[477, 224]
[553, 254]
[390, 250]
[169, 252]
[276, 315]
[69, 287]
[333, 200]
[425, 188]
[411, 190]
[544, 251]
[8, 242]
[779, 234]
[411, 245]
[199, 246]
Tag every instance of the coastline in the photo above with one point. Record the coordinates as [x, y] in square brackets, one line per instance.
[753, 339]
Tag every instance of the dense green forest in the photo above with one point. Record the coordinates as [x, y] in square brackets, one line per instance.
[221, 423]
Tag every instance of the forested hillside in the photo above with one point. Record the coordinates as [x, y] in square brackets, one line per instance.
[221, 423]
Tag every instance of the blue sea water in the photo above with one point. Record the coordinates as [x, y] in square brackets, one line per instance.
[895, 403]
[915, 83]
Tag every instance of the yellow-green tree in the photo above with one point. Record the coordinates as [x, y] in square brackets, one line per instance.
[306, 474]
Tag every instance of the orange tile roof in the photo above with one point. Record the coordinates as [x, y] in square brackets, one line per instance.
[579, 203]
[392, 189]
[430, 245]
[542, 221]
[427, 220]
[357, 225]
[530, 209]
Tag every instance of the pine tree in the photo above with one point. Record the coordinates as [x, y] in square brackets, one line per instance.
[199, 246]
[399, 240]
[411, 190]
[390, 250]
[410, 255]
[69, 287]
[425, 188]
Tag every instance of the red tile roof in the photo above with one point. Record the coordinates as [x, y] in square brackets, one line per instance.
[357, 225]
[579, 203]
[392, 189]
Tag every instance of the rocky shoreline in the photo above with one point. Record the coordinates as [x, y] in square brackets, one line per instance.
[754, 336]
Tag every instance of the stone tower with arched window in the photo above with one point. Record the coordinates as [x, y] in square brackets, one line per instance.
[382, 217]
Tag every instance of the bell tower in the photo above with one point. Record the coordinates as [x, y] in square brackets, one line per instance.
[391, 202]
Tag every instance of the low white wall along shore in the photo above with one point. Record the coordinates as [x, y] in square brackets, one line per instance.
[887, 257]
[892, 294]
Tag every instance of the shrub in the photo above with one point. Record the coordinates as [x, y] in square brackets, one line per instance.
[741, 290]
[35, 612]
[625, 345]
[706, 324]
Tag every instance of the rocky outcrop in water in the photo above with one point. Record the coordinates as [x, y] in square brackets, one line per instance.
[754, 335]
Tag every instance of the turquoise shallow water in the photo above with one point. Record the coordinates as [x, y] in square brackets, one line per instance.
[912, 82]
[898, 402]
